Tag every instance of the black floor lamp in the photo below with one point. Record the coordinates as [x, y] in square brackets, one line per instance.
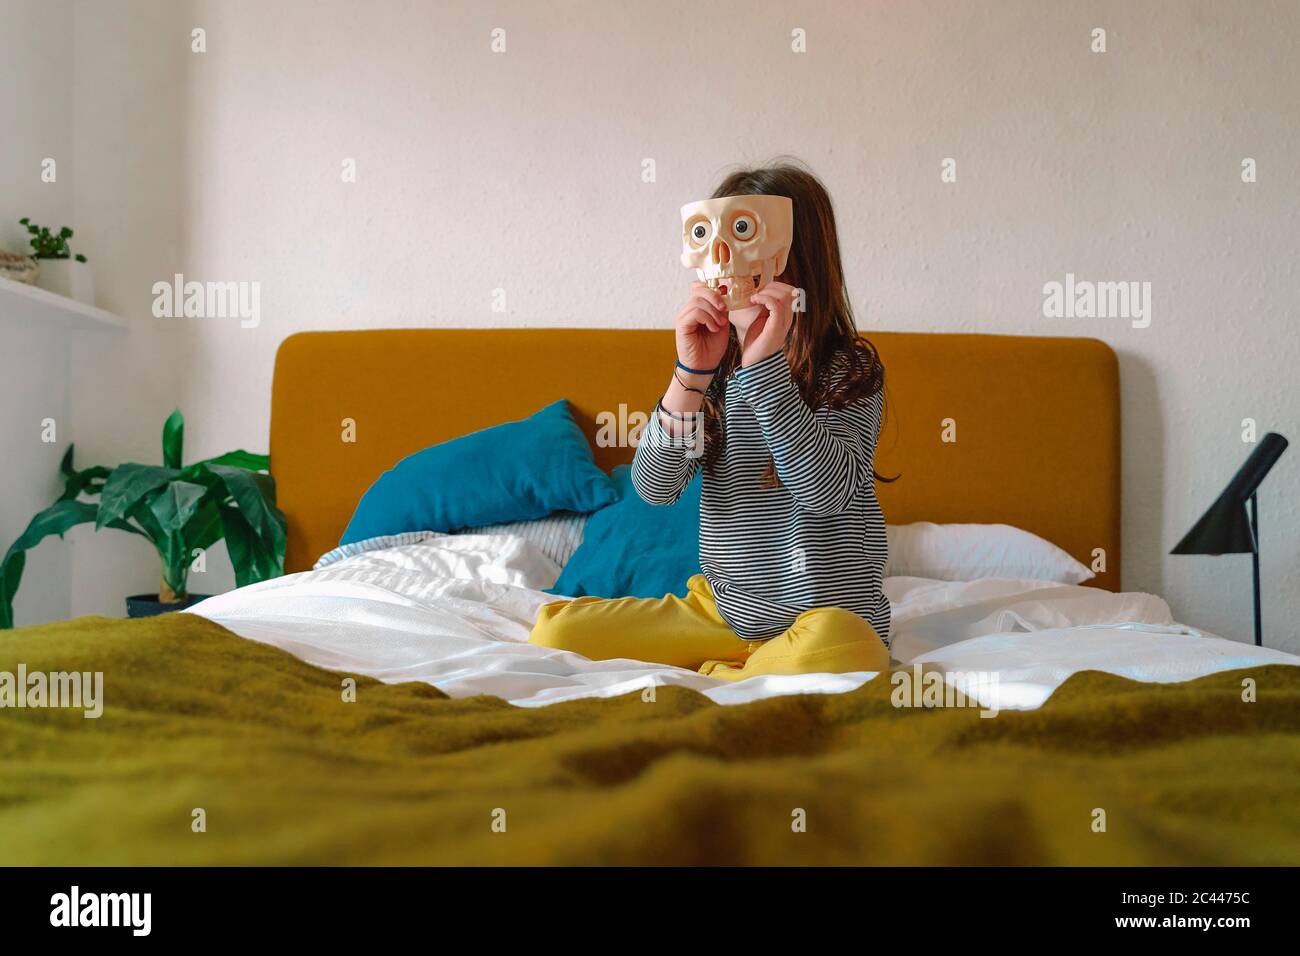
[1226, 528]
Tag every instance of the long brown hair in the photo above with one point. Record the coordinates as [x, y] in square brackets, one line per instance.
[830, 363]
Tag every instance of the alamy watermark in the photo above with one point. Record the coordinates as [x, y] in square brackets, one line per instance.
[624, 428]
[1084, 299]
[179, 299]
[78, 690]
[933, 688]
[75, 908]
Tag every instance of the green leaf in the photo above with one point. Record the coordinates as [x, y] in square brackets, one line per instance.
[242, 543]
[199, 474]
[123, 525]
[90, 482]
[56, 519]
[173, 439]
[204, 529]
[11, 575]
[176, 504]
[240, 459]
[143, 515]
[254, 493]
[126, 488]
[251, 560]
[170, 547]
[87, 481]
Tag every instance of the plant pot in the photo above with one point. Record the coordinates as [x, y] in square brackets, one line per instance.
[148, 605]
[67, 277]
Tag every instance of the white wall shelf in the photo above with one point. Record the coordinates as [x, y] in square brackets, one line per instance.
[27, 303]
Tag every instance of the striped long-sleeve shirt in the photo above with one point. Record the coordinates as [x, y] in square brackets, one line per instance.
[815, 540]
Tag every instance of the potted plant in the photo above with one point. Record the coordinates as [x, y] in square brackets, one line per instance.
[61, 272]
[180, 510]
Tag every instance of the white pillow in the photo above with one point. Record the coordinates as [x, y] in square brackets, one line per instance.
[965, 552]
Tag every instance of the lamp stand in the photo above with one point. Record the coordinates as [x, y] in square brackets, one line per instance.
[1228, 526]
[1254, 560]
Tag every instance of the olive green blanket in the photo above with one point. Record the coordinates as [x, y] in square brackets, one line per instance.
[212, 749]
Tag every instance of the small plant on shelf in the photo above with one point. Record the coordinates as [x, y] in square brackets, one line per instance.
[50, 245]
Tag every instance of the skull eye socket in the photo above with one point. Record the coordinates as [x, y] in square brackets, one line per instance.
[699, 232]
[744, 228]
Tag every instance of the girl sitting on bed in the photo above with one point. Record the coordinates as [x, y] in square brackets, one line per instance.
[792, 541]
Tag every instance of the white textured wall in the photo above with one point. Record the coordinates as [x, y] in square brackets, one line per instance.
[35, 123]
[522, 171]
[133, 196]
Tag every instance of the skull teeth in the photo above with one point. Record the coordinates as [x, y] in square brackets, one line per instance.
[734, 283]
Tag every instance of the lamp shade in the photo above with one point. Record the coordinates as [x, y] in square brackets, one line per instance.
[1225, 528]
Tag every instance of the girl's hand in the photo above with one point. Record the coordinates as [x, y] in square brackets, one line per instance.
[702, 329]
[767, 334]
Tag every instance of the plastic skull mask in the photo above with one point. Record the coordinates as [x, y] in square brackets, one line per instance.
[737, 244]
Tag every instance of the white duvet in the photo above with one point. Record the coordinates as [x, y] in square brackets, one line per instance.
[455, 611]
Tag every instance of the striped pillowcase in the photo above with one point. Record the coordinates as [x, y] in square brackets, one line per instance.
[557, 536]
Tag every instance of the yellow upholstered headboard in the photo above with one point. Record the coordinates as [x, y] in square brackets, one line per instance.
[1033, 422]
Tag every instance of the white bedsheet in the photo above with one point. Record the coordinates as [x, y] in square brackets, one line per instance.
[455, 612]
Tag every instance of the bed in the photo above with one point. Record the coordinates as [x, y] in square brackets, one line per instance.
[1035, 420]
[386, 708]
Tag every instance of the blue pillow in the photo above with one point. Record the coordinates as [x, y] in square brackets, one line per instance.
[513, 472]
[632, 549]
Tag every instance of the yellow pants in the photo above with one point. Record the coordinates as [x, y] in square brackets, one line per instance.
[689, 632]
